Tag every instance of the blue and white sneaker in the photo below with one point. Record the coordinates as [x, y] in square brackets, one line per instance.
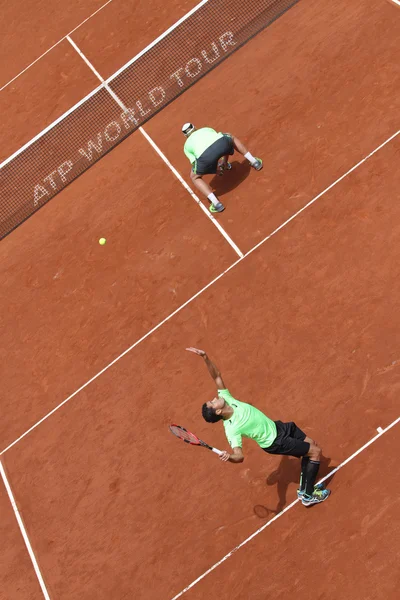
[216, 208]
[258, 165]
[317, 497]
[300, 493]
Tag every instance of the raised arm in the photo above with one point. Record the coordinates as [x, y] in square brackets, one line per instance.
[212, 369]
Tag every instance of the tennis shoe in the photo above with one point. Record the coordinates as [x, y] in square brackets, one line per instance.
[300, 493]
[317, 497]
[258, 165]
[223, 167]
[216, 208]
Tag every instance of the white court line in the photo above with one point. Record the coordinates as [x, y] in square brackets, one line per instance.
[23, 532]
[194, 196]
[89, 64]
[41, 134]
[161, 37]
[54, 45]
[146, 335]
[175, 312]
[132, 60]
[324, 192]
[159, 152]
[63, 116]
[83, 57]
[279, 515]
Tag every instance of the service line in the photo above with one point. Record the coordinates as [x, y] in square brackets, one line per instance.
[54, 45]
[132, 60]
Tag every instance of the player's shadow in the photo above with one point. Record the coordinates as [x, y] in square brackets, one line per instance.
[223, 184]
[289, 472]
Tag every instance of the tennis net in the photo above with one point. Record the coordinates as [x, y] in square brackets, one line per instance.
[175, 61]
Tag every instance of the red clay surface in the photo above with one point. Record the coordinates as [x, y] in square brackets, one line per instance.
[79, 304]
[18, 579]
[61, 78]
[302, 332]
[41, 95]
[311, 103]
[305, 328]
[353, 555]
[111, 39]
[124, 29]
[30, 28]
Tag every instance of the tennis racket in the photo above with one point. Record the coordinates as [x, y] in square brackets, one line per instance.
[190, 438]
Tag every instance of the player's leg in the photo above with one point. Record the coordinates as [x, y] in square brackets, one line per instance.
[313, 494]
[292, 441]
[297, 433]
[304, 464]
[310, 466]
[294, 432]
[207, 164]
[204, 188]
[309, 492]
[255, 162]
[225, 148]
[310, 463]
[303, 469]
[200, 184]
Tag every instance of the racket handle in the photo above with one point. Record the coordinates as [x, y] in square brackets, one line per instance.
[217, 451]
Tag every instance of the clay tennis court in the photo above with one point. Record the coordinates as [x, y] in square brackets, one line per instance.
[298, 308]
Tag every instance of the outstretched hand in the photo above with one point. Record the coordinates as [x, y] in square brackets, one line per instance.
[225, 456]
[197, 351]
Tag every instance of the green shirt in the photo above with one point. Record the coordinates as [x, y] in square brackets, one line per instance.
[199, 141]
[247, 421]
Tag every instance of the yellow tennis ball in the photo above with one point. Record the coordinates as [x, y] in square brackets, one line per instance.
[102, 241]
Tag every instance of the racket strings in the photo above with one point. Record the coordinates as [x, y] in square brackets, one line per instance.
[184, 435]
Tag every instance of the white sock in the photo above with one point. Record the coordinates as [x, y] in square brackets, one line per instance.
[213, 198]
[250, 158]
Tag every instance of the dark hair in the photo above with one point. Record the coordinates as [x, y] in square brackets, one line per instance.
[209, 414]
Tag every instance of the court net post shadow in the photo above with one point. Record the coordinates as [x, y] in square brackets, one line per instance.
[223, 184]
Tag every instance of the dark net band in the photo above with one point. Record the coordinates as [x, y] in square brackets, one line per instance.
[132, 96]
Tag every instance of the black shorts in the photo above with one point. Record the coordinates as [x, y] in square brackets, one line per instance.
[207, 162]
[289, 440]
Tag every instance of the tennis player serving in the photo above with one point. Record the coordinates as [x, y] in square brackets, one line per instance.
[244, 420]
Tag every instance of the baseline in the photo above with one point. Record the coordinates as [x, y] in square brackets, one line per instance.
[23, 532]
[261, 529]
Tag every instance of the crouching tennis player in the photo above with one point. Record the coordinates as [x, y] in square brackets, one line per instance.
[241, 419]
[208, 152]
